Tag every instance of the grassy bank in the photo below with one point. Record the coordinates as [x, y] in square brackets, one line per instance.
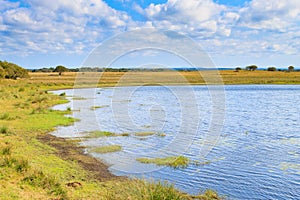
[35, 165]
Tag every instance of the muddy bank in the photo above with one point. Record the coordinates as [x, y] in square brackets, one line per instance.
[69, 150]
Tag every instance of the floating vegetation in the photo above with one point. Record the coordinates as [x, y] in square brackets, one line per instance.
[206, 162]
[161, 135]
[293, 153]
[78, 98]
[288, 141]
[97, 107]
[172, 161]
[107, 149]
[142, 134]
[198, 163]
[284, 166]
[123, 134]
[97, 134]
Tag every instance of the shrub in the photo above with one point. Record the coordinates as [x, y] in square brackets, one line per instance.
[22, 165]
[4, 130]
[12, 71]
[271, 69]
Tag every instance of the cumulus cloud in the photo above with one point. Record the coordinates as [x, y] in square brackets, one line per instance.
[59, 25]
[273, 14]
[197, 17]
[77, 26]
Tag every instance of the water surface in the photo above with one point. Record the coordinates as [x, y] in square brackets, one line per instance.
[256, 155]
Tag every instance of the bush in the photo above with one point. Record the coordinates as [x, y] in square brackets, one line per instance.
[60, 69]
[4, 130]
[2, 72]
[271, 69]
[12, 71]
[251, 68]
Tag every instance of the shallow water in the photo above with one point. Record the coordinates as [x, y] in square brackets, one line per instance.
[255, 156]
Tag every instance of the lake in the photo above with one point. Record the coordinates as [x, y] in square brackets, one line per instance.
[254, 155]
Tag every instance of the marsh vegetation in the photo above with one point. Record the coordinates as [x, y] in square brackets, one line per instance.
[54, 171]
[172, 161]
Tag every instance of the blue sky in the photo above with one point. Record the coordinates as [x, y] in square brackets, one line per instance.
[42, 33]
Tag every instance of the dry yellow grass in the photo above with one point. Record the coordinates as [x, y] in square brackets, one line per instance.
[91, 79]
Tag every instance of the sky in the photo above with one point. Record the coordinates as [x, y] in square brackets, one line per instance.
[43, 33]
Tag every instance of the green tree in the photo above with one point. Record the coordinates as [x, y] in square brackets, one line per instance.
[251, 67]
[60, 69]
[291, 68]
[272, 69]
[13, 71]
[238, 69]
[2, 72]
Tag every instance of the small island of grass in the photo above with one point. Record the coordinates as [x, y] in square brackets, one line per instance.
[97, 107]
[172, 161]
[107, 149]
[97, 134]
[142, 134]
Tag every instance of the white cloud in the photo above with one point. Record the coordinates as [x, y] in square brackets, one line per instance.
[272, 15]
[58, 25]
[199, 17]
[76, 26]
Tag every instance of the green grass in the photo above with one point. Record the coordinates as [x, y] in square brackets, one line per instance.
[40, 180]
[172, 161]
[107, 149]
[3, 130]
[6, 116]
[97, 134]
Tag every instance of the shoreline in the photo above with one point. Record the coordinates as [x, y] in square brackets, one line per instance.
[69, 150]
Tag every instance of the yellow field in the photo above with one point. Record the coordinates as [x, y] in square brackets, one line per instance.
[166, 77]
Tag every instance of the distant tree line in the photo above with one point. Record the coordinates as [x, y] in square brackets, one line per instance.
[60, 69]
[12, 71]
[254, 67]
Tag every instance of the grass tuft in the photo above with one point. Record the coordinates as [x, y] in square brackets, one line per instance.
[172, 161]
[6, 150]
[5, 116]
[22, 166]
[39, 179]
[4, 130]
[97, 107]
[142, 134]
[107, 149]
[97, 134]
